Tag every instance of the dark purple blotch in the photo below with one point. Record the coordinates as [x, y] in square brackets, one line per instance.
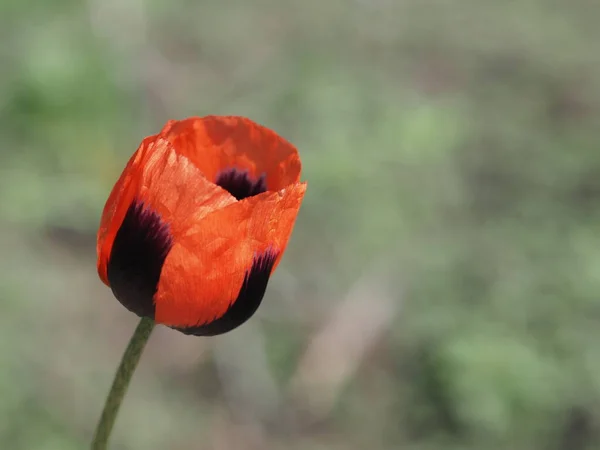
[137, 257]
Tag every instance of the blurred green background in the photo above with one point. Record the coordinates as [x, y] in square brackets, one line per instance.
[441, 287]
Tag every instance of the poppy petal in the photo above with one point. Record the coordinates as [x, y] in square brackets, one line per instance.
[138, 253]
[204, 275]
[116, 207]
[166, 183]
[247, 302]
[218, 144]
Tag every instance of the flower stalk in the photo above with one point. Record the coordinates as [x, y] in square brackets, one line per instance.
[125, 371]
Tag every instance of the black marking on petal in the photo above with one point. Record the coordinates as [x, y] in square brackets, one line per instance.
[136, 259]
[247, 302]
[240, 183]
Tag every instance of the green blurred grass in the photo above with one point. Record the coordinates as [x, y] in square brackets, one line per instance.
[456, 143]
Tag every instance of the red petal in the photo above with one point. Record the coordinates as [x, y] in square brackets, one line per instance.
[217, 143]
[204, 271]
[165, 181]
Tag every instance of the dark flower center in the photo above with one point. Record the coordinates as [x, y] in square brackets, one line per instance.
[240, 183]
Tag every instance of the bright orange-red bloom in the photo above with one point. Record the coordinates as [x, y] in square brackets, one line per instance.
[198, 221]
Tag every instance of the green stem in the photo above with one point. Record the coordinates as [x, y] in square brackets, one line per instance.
[123, 376]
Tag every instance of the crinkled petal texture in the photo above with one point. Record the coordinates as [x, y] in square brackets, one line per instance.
[235, 143]
[198, 221]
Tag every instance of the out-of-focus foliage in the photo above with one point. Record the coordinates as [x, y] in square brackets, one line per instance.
[441, 287]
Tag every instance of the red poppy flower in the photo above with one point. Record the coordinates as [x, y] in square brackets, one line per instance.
[198, 221]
